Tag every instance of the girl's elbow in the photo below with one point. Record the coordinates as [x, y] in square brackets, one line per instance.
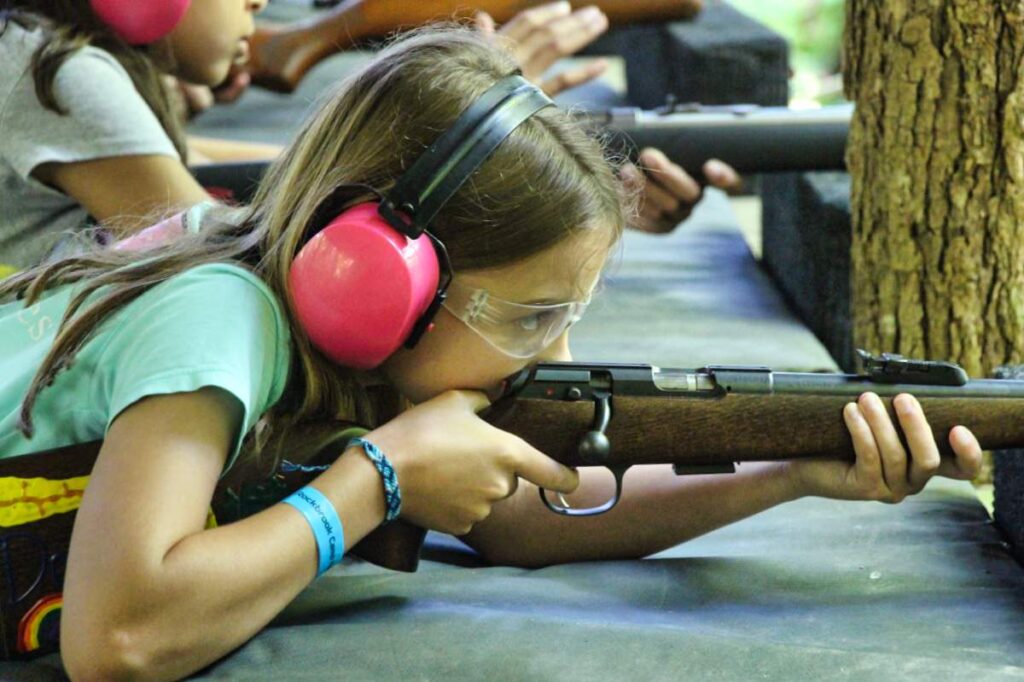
[105, 654]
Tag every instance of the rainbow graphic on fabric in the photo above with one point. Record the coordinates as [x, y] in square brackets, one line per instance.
[41, 624]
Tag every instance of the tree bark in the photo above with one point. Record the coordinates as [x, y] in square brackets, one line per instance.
[936, 158]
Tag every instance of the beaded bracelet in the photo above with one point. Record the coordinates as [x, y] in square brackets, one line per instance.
[392, 493]
[323, 518]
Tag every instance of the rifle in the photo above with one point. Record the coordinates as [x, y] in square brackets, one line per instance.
[280, 57]
[611, 415]
[749, 138]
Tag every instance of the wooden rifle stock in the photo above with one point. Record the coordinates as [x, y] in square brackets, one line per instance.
[281, 56]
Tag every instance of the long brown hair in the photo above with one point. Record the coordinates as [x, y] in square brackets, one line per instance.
[547, 181]
[72, 25]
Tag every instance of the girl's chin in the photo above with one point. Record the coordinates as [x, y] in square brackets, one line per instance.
[210, 75]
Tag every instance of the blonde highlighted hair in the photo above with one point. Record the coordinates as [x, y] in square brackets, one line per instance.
[548, 181]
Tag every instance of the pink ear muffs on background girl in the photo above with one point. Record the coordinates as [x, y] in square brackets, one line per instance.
[139, 22]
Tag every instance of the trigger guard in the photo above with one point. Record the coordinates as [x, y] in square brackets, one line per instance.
[617, 472]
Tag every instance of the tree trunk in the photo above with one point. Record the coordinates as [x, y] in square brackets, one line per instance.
[937, 167]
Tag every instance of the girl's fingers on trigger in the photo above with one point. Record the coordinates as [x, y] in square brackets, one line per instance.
[924, 453]
[869, 461]
[544, 472]
[890, 448]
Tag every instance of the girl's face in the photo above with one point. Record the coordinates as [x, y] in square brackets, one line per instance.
[453, 356]
[212, 37]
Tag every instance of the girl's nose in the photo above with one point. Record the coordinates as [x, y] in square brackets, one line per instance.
[558, 351]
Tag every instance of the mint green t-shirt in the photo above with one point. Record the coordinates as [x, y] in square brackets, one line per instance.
[213, 325]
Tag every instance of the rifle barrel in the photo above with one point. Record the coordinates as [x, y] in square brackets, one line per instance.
[749, 138]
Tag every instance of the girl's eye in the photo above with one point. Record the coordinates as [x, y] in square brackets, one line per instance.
[533, 322]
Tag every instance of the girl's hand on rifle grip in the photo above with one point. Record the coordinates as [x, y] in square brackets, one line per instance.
[453, 466]
[883, 470]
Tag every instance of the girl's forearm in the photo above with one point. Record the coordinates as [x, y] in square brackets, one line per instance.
[215, 589]
[658, 510]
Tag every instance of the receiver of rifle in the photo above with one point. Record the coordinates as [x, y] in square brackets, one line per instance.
[750, 138]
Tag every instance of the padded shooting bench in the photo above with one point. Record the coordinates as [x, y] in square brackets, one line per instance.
[815, 589]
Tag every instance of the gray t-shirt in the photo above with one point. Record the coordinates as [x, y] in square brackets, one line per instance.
[106, 117]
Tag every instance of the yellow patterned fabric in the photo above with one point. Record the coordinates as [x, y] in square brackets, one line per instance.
[23, 500]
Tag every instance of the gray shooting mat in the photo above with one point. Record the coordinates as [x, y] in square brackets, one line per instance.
[810, 590]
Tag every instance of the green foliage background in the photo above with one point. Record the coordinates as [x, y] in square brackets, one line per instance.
[814, 29]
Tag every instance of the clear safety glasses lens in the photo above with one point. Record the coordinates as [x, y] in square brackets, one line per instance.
[517, 329]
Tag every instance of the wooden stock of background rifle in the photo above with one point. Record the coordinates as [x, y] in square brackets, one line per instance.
[280, 56]
[751, 139]
[581, 414]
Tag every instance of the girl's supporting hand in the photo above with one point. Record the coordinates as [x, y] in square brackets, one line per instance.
[453, 466]
[883, 470]
[669, 193]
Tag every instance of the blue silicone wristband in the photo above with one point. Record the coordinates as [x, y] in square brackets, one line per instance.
[323, 519]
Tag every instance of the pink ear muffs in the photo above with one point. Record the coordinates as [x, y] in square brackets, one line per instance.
[139, 22]
[359, 286]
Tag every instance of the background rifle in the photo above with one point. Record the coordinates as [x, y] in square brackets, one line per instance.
[280, 56]
[750, 138]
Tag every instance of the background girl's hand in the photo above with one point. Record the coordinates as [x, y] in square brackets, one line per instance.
[883, 470]
[540, 36]
[669, 193]
[453, 466]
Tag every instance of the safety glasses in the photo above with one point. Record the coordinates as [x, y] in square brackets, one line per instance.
[519, 330]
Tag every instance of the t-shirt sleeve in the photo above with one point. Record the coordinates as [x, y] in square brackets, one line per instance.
[106, 116]
[208, 327]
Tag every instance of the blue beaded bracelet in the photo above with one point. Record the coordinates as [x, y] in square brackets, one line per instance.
[323, 519]
[392, 493]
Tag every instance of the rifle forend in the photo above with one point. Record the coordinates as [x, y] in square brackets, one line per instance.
[705, 420]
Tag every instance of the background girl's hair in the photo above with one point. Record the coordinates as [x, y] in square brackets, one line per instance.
[71, 25]
[549, 180]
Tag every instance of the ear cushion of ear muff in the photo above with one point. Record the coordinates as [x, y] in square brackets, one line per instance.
[358, 287]
[140, 21]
